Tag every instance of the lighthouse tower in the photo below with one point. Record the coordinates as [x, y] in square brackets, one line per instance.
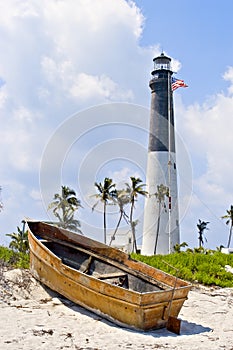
[161, 215]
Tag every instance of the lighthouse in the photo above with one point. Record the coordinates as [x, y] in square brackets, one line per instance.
[161, 214]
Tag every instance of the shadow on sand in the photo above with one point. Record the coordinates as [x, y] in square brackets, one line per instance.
[187, 328]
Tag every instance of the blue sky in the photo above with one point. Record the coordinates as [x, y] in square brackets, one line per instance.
[69, 70]
[198, 34]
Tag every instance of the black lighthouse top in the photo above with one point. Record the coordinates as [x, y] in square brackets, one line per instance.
[161, 137]
[161, 62]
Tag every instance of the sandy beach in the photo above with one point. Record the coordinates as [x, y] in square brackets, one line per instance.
[34, 317]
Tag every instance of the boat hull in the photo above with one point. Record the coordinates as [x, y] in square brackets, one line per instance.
[140, 310]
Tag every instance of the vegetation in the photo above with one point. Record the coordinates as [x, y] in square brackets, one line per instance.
[177, 246]
[198, 265]
[207, 267]
[17, 255]
[19, 241]
[229, 217]
[202, 226]
[107, 192]
[64, 206]
[13, 258]
[135, 190]
[162, 192]
[122, 199]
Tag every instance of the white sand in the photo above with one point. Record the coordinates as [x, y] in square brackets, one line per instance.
[33, 317]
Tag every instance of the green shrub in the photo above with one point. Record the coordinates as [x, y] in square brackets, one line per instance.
[14, 259]
[206, 267]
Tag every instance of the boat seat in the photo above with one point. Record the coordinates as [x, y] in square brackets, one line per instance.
[111, 275]
[71, 263]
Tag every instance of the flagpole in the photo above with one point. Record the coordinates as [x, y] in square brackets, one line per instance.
[169, 163]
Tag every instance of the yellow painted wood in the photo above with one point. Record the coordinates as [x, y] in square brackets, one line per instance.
[127, 307]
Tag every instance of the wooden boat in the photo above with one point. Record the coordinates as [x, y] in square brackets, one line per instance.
[103, 279]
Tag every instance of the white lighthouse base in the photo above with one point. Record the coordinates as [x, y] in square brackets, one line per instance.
[161, 220]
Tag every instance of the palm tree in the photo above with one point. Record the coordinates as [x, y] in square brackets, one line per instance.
[202, 226]
[177, 247]
[64, 206]
[134, 191]
[162, 192]
[106, 193]
[229, 217]
[19, 240]
[122, 199]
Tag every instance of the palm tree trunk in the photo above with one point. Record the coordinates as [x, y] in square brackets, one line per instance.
[117, 226]
[158, 227]
[229, 240]
[133, 227]
[105, 233]
[200, 239]
[134, 239]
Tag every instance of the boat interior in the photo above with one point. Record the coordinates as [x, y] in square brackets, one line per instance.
[101, 268]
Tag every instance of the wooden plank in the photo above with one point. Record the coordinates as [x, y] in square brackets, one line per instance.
[111, 275]
[173, 325]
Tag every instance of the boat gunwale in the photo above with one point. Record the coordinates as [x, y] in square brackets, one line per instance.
[95, 278]
[140, 304]
[125, 268]
[70, 278]
[101, 313]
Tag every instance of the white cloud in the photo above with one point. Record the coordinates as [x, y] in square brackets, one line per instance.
[60, 57]
[19, 157]
[122, 176]
[81, 86]
[94, 18]
[35, 195]
[3, 96]
[207, 131]
[89, 86]
[228, 76]
[24, 115]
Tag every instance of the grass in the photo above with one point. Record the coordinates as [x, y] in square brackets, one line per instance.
[14, 259]
[207, 269]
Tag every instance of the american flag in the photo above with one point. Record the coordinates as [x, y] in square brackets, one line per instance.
[177, 83]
